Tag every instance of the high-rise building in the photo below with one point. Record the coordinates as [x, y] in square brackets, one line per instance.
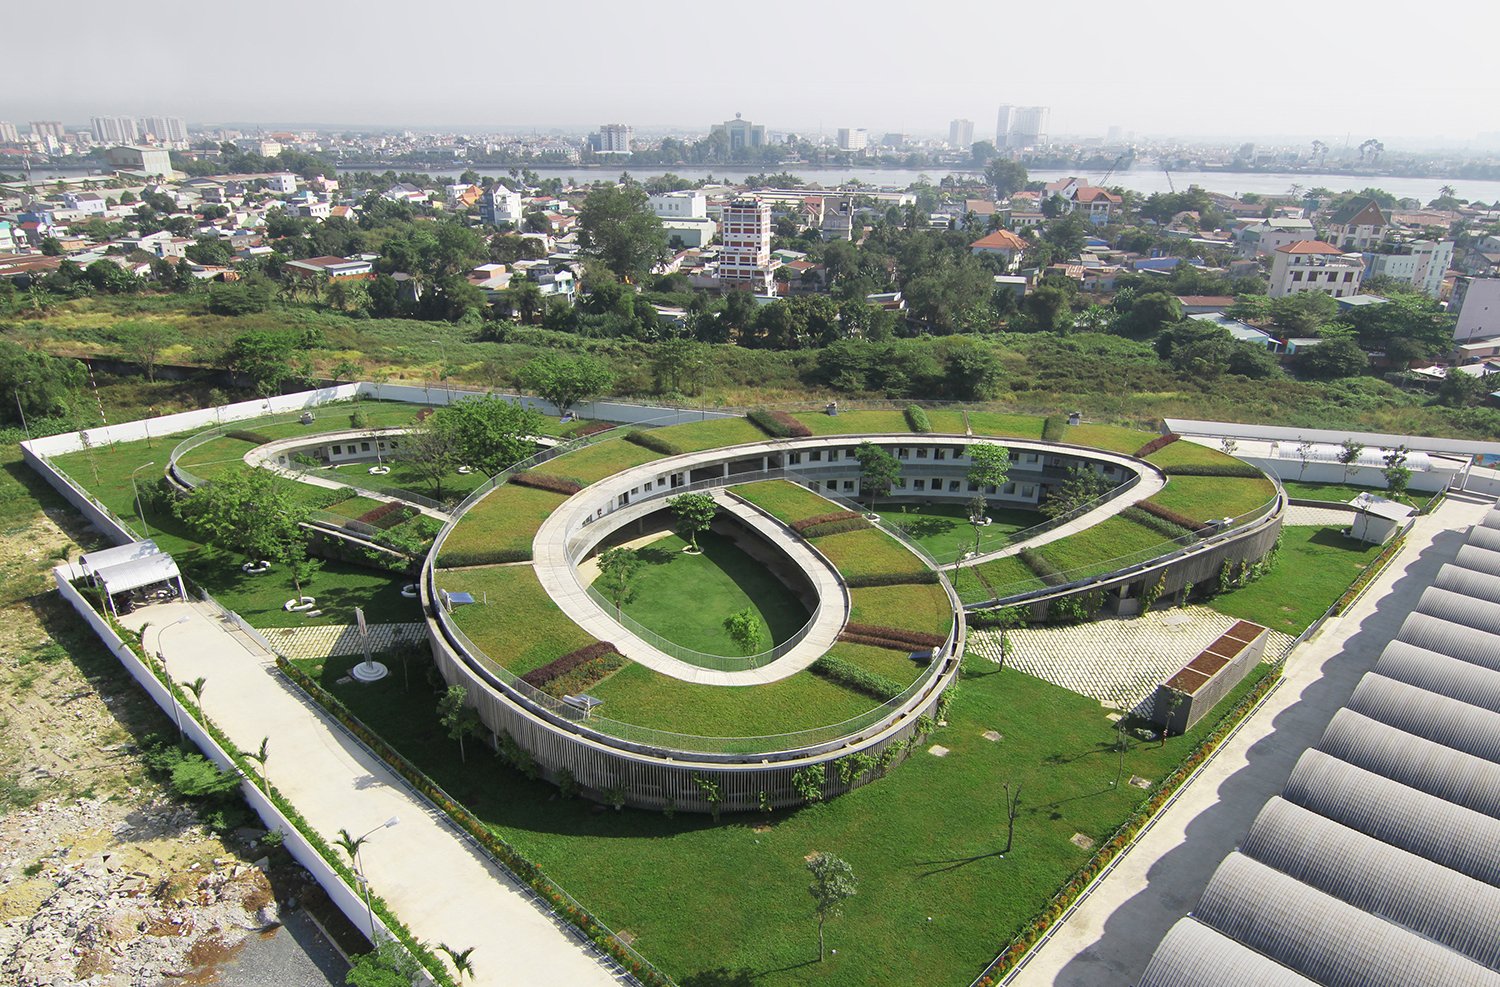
[8, 133]
[853, 138]
[612, 138]
[960, 133]
[115, 130]
[740, 134]
[1019, 127]
[745, 251]
[165, 128]
[47, 128]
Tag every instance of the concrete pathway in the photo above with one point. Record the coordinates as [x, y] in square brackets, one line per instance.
[435, 881]
[264, 457]
[340, 639]
[1111, 936]
[1118, 662]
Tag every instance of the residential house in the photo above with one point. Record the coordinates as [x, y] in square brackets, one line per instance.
[408, 193]
[1360, 225]
[462, 196]
[1312, 265]
[1477, 301]
[1419, 263]
[87, 203]
[331, 267]
[499, 206]
[1261, 237]
[1201, 304]
[1020, 219]
[1002, 244]
[281, 183]
[1096, 203]
[1241, 331]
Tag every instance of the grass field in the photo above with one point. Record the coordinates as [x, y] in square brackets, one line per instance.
[1205, 498]
[853, 422]
[727, 905]
[1342, 493]
[402, 478]
[1315, 567]
[1001, 577]
[1111, 544]
[1116, 438]
[604, 458]
[1006, 426]
[918, 607]
[696, 436]
[785, 500]
[501, 526]
[1185, 453]
[944, 531]
[685, 598]
[512, 619]
[868, 552]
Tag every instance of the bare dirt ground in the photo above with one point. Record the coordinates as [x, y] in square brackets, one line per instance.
[107, 879]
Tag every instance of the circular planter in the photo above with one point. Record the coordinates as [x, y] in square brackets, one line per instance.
[690, 550]
[465, 470]
[369, 671]
[410, 591]
[256, 568]
[979, 521]
[300, 604]
[379, 470]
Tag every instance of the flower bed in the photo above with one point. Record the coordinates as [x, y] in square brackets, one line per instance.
[565, 485]
[561, 666]
[779, 424]
[387, 515]
[1155, 444]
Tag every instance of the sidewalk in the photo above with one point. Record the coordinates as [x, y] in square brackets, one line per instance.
[434, 881]
[1109, 939]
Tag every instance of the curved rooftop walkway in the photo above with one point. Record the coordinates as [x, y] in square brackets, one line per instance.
[562, 581]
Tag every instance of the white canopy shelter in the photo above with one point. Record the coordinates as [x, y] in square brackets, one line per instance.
[149, 570]
[106, 557]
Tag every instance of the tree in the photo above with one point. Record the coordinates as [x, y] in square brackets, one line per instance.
[487, 433]
[432, 453]
[246, 511]
[388, 965]
[617, 228]
[833, 883]
[524, 297]
[989, 465]
[1332, 359]
[260, 757]
[265, 357]
[142, 342]
[462, 964]
[1007, 177]
[745, 627]
[1148, 314]
[1081, 486]
[1012, 808]
[878, 470]
[618, 569]
[458, 718]
[196, 687]
[1302, 314]
[566, 381]
[1459, 390]
[1397, 474]
[1349, 452]
[695, 513]
[40, 383]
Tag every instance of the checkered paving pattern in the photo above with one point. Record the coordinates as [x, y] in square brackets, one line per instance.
[1118, 662]
[339, 639]
[1317, 517]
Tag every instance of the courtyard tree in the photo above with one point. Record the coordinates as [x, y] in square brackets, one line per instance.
[462, 961]
[1349, 452]
[566, 380]
[618, 569]
[458, 718]
[745, 627]
[695, 513]
[878, 470]
[260, 757]
[833, 883]
[488, 433]
[1079, 487]
[989, 466]
[249, 512]
[1304, 456]
[432, 453]
[617, 229]
[1397, 474]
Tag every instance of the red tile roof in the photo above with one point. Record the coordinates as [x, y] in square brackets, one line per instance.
[1309, 247]
[999, 240]
[1093, 194]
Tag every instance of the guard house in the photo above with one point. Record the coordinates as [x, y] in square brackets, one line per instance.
[1377, 519]
[133, 573]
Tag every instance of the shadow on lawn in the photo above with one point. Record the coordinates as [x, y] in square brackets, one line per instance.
[954, 863]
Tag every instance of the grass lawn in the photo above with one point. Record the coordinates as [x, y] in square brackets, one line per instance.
[888, 662]
[1344, 492]
[1002, 577]
[1115, 438]
[335, 418]
[1111, 544]
[785, 500]
[1314, 568]
[868, 552]
[944, 529]
[852, 422]
[1204, 498]
[1006, 426]
[604, 458]
[685, 598]
[214, 456]
[728, 904]
[1185, 453]
[946, 422]
[403, 478]
[711, 434]
[502, 523]
[910, 606]
[520, 627]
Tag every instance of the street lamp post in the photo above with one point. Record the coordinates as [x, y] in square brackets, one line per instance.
[24, 427]
[161, 656]
[359, 869]
[138, 505]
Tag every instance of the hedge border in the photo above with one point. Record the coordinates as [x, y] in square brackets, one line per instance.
[917, 420]
[916, 638]
[1169, 515]
[564, 485]
[911, 577]
[450, 559]
[851, 676]
[1054, 427]
[560, 666]
[1166, 527]
[653, 442]
[1242, 470]
[778, 424]
[1156, 444]
[817, 519]
[855, 523]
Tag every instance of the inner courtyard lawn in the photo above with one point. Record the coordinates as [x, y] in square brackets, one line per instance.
[685, 598]
[1342, 493]
[944, 531]
[1314, 568]
[727, 904]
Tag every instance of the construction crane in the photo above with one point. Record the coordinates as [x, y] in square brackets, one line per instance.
[1164, 171]
[1127, 156]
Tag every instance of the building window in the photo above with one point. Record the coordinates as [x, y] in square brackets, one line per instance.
[848, 486]
[793, 458]
[1296, 275]
[336, 451]
[1028, 491]
[815, 456]
[921, 453]
[940, 454]
[953, 486]
[919, 484]
[1010, 488]
[364, 447]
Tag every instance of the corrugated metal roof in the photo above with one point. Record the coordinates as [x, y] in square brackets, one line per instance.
[1448, 638]
[1280, 433]
[1414, 761]
[1468, 582]
[1433, 672]
[1192, 954]
[1442, 905]
[1485, 538]
[1458, 838]
[1424, 714]
[1478, 559]
[1478, 614]
[1323, 938]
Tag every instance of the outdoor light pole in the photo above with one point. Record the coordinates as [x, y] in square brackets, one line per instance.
[138, 505]
[24, 427]
[161, 656]
[359, 869]
[442, 363]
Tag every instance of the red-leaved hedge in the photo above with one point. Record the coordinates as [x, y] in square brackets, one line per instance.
[1160, 442]
[1167, 514]
[817, 519]
[547, 481]
[561, 666]
[779, 424]
[916, 639]
[376, 515]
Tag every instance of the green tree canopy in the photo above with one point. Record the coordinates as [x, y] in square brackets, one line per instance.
[249, 512]
[617, 228]
[487, 433]
[40, 383]
[566, 380]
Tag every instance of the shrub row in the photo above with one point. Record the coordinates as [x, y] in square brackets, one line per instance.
[1044, 570]
[585, 676]
[916, 419]
[853, 677]
[778, 424]
[1213, 469]
[1167, 514]
[1054, 427]
[1107, 851]
[508, 856]
[561, 666]
[911, 577]
[248, 435]
[917, 639]
[1160, 442]
[546, 481]
[322, 498]
[654, 442]
[1171, 530]
[461, 558]
[387, 515]
[855, 523]
[1002, 618]
[589, 428]
[817, 519]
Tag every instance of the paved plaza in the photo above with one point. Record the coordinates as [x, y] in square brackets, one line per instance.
[1302, 516]
[340, 639]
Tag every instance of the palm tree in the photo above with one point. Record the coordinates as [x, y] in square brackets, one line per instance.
[1293, 190]
[350, 845]
[525, 298]
[259, 757]
[196, 688]
[461, 962]
[1446, 191]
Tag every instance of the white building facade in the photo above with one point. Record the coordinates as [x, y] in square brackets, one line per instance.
[499, 205]
[1312, 265]
[745, 252]
[1478, 303]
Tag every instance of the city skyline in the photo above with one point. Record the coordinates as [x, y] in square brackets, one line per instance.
[892, 85]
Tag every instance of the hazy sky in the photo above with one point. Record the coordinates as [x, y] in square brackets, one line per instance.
[1166, 67]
